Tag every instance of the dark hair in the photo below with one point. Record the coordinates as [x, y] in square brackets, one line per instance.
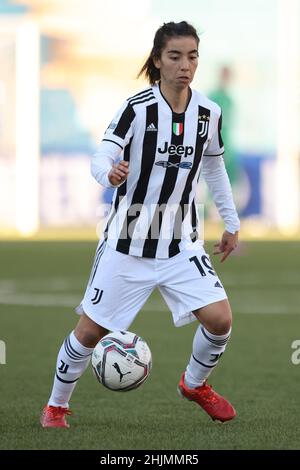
[165, 32]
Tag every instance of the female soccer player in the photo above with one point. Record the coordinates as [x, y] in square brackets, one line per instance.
[164, 136]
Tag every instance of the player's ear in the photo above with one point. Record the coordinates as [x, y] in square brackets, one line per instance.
[156, 62]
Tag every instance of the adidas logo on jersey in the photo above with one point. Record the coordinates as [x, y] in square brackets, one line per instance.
[151, 128]
[217, 284]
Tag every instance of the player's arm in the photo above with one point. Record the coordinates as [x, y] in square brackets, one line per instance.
[214, 173]
[105, 168]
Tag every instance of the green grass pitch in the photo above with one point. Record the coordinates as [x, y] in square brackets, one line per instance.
[41, 281]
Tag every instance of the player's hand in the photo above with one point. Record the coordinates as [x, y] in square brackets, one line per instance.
[227, 244]
[119, 173]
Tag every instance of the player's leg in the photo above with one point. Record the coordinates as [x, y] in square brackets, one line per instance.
[215, 317]
[72, 360]
[89, 333]
[102, 310]
[209, 342]
[193, 291]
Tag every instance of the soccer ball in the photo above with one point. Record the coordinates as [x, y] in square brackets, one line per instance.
[121, 361]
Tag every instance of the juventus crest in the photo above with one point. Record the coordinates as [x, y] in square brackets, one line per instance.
[98, 295]
[203, 123]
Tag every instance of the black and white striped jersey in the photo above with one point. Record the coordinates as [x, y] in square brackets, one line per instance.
[153, 212]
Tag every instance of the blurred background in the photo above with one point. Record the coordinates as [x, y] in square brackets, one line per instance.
[67, 65]
[65, 68]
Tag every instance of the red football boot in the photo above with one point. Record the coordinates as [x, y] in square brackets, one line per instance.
[214, 404]
[54, 417]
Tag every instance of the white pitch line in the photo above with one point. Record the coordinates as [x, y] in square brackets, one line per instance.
[40, 300]
[51, 284]
[71, 301]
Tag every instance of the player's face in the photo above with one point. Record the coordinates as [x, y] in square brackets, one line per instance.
[178, 62]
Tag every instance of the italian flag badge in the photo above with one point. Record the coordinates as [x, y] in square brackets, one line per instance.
[177, 128]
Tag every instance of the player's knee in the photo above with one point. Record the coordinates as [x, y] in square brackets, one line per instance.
[88, 332]
[224, 319]
[86, 337]
[222, 322]
[217, 318]
[223, 325]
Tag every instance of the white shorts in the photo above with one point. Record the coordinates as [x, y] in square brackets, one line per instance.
[120, 284]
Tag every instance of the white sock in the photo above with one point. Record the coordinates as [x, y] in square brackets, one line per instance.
[207, 350]
[72, 360]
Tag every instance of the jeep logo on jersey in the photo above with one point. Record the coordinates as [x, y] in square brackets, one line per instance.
[177, 150]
